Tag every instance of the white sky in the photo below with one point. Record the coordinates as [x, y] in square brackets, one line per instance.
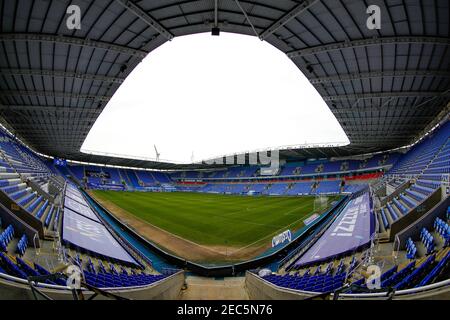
[212, 96]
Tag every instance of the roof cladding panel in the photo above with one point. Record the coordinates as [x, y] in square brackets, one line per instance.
[55, 13]
[55, 82]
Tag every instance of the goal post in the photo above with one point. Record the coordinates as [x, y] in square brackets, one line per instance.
[320, 203]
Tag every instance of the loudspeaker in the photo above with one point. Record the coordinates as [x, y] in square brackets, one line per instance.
[215, 31]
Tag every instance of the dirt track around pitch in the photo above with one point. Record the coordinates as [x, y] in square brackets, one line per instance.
[179, 246]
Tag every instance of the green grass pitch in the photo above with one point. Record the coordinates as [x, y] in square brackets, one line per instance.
[215, 219]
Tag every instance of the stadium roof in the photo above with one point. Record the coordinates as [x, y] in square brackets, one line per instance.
[385, 86]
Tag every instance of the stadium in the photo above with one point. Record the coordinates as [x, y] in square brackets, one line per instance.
[368, 220]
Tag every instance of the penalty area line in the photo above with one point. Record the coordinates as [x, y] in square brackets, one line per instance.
[271, 234]
[277, 231]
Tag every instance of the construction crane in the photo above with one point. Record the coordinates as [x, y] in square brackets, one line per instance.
[157, 153]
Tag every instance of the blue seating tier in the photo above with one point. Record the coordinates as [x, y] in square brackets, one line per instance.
[314, 283]
[111, 280]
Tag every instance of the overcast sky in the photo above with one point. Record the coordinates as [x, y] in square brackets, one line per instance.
[212, 96]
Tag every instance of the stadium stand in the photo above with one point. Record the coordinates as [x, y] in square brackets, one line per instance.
[18, 168]
[329, 187]
[418, 166]
[411, 181]
[387, 88]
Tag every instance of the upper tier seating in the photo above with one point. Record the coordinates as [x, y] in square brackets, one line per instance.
[11, 183]
[419, 157]
[428, 163]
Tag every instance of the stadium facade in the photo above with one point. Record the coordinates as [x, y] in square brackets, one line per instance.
[388, 85]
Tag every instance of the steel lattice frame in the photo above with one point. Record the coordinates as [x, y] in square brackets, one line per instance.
[384, 86]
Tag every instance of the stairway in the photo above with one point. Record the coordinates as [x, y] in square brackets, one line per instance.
[201, 288]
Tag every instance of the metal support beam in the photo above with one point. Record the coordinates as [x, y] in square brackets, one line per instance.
[375, 140]
[381, 95]
[247, 18]
[72, 41]
[147, 18]
[370, 108]
[53, 94]
[61, 74]
[67, 109]
[443, 115]
[395, 127]
[380, 74]
[56, 144]
[367, 42]
[379, 131]
[63, 125]
[406, 118]
[427, 101]
[383, 139]
[46, 131]
[297, 10]
[216, 13]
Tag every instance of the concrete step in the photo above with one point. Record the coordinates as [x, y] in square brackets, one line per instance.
[200, 288]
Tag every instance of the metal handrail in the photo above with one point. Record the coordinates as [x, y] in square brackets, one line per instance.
[37, 250]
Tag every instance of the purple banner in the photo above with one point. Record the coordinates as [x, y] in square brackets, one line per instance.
[93, 236]
[72, 188]
[350, 230]
[80, 209]
[77, 197]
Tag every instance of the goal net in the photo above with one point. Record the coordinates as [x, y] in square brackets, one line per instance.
[320, 203]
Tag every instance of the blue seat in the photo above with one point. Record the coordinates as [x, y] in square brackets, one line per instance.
[398, 276]
[22, 245]
[411, 203]
[416, 275]
[392, 212]
[436, 271]
[107, 279]
[411, 249]
[18, 194]
[6, 237]
[49, 216]
[26, 199]
[41, 210]
[55, 221]
[384, 219]
[11, 268]
[34, 204]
